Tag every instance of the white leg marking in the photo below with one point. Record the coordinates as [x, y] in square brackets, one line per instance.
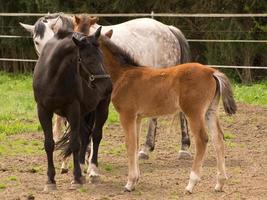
[194, 179]
[220, 182]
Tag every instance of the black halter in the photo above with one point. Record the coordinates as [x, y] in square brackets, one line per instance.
[91, 77]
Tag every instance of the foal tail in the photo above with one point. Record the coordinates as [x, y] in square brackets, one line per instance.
[225, 90]
[184, 46]
[86, 127]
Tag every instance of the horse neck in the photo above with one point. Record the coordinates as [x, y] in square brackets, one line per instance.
[114, 67]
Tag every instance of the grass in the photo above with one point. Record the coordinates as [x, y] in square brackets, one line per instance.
[10, 146]
[255, 94]
[18, 112]
[2, 186]
[18, 108]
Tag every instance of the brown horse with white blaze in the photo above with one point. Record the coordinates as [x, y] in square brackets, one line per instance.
[192, 88]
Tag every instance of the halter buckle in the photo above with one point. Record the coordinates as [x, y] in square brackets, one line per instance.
[91, 78]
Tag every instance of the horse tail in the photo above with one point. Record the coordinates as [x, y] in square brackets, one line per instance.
[86, 127]
[225, 91]
[184, 46]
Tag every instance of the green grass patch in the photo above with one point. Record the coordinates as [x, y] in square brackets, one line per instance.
[11, 147]
[228, 136]
[108, 167]
[2, 186]
[12, 178]
[255, 94]
[18, 110]
[82, 190]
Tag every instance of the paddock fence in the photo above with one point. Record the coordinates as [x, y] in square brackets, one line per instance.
[152, 15]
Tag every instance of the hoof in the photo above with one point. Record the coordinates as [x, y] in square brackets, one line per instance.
[127, 189]
[143, 156]
[185, 155]
[94, 178]
[50, 187]
[218, 188]
[188, 191]
[64, 171]
[75, 185]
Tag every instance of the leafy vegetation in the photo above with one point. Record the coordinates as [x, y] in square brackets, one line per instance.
[253, 28]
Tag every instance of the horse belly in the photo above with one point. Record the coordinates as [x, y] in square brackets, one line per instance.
[159, 104]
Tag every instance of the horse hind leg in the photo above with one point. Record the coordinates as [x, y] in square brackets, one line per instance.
[184, 152]
[217, 140]
[57, 129]
[150, 140]
[197, 127]
[74, 119]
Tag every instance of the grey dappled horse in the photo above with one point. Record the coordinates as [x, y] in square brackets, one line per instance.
[148, 41]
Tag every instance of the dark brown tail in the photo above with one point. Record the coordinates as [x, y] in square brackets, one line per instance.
[225, 92]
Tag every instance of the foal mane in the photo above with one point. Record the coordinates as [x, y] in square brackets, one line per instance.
[124, 57]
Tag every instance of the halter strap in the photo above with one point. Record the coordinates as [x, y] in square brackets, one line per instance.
[91, 77]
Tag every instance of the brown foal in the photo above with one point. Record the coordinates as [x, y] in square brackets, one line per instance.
[192, 88]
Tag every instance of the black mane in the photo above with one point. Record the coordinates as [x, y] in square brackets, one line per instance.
[39, 27]
[123, 56]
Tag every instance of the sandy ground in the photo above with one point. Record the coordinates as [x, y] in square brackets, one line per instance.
[163, 176]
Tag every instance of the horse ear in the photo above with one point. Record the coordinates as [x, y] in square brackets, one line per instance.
[52, 22]
[28, 27]
[109, 33]
[76, 19]
[93, 20]
[97, 33]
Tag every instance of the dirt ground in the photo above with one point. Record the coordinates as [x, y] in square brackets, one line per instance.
[163, 176]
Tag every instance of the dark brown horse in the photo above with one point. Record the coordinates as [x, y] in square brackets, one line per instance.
[69, 80]
[192, 88]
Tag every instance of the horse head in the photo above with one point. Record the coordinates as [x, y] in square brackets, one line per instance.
[89, 54]
[45, 28]
[82, 23]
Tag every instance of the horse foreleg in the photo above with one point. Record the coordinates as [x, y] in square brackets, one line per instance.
[150, 139]
[74, 118]
[45, 119]
[130, 126]
[101, 115]
[185, 139]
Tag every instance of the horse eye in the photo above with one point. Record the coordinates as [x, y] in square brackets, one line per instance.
[37, 43]
[45, 21]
